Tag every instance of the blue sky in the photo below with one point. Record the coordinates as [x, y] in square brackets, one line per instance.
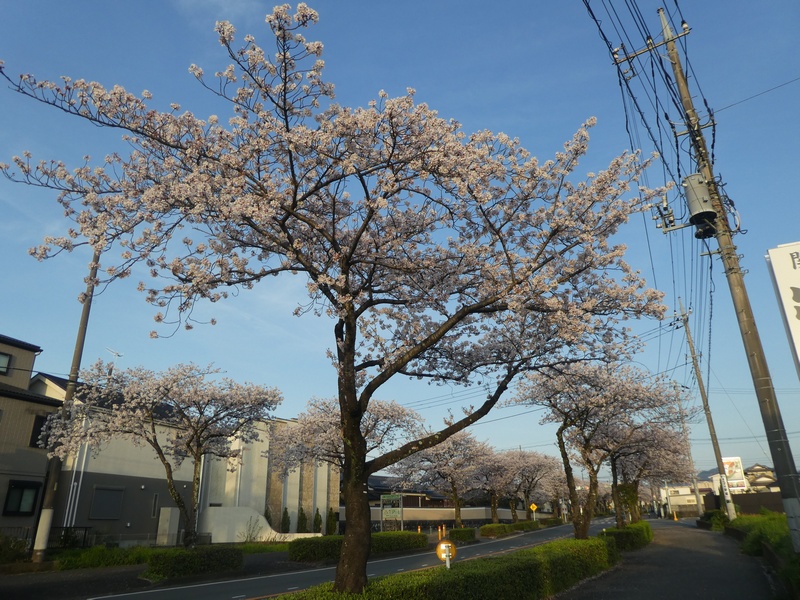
[534, 70]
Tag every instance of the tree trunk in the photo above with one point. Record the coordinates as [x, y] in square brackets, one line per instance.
[351, 571]
[590, 506]
[619, 508]
[494, 501]
[632, 492]
[456, 506]
[187, 512]
[512, 504]
[580, 525]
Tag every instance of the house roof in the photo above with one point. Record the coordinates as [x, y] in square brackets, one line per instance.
[386, 484]
[9, 391]
[758, 467]
[163, 411]
[9, 341]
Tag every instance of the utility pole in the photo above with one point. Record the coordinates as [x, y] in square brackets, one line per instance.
[719, 227]
[54, 464]
[730, 509]
[685, 432]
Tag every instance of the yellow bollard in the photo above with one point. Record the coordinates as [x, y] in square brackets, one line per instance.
[674, 516]
[419, 528]
[444, 531]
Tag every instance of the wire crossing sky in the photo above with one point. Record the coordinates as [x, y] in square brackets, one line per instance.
[535, 71]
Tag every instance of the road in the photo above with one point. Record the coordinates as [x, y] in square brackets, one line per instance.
[268, 585]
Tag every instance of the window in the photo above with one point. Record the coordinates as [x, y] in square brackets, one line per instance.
[38, 426]
[21, 498]
[5, 363]
[154, 512]
[106, 503]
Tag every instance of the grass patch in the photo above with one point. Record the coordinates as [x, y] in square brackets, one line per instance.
[770, 528]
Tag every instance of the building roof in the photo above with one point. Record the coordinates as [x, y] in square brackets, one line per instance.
[9, 341]
[9, 391]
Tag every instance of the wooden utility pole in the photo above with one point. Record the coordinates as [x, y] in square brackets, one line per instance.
[785, 469]
[723, 477]
[54, 464]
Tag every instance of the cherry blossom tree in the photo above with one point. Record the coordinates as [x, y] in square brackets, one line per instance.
[599, 409]
[436, 254]
[451, 467]
[662, 454]
[535, 476]
[180, 413]
[493, 476]
[317, 436]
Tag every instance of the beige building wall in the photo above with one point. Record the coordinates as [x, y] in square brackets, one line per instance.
[20, 367]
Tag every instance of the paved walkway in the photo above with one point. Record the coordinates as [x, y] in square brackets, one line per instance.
[682, 562]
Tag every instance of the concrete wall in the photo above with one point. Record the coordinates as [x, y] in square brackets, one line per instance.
[440, 515]
[239, 524]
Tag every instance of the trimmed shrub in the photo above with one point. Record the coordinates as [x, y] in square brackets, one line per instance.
[329, 547]
[12, 549]
[302, 521]
[540, 571]
[717, 518]
[772, 529]
[462, 535]
[286, 521]
[496, 530]
[263, 547]
[331, 524]
[398, 541]
[632, 537]
[769, 527]
[551, 522]
[317, 527]
[182, 562]
[525, 525]
[101, 556]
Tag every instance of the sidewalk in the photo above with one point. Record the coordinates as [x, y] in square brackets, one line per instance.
[682, 562]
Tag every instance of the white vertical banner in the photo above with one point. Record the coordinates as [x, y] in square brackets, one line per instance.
[784, 265]
[734, 471]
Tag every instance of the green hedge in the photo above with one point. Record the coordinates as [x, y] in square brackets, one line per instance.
[100, 556]
[180, 562]
[771, 528]
[12, 549]
[329, 547]
[525, 525]
[631, 537]
[461, 535]
[717, 518]
[551, 522]
[495, 530]
[533, 573]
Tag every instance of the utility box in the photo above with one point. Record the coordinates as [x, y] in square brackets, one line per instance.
[698, 201]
